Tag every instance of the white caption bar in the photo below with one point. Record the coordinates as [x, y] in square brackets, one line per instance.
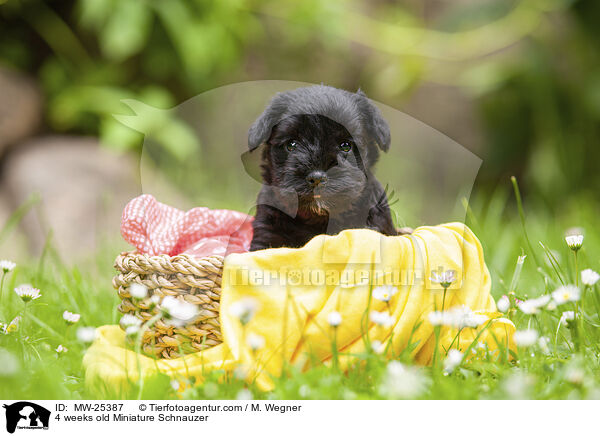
[312, 418]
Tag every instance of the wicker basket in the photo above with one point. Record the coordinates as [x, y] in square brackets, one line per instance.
[196, 281]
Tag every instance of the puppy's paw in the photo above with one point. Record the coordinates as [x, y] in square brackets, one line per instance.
[405, 230]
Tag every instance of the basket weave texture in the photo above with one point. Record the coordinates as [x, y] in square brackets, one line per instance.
[190, 279]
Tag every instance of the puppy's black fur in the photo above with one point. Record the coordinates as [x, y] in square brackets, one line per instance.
[321, 146]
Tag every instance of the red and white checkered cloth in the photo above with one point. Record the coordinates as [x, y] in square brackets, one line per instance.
[155, 228]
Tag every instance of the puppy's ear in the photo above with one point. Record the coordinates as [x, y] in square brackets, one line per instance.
[376, 126]
[260, 131]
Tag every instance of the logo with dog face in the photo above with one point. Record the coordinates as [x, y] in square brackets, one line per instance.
[26, 415]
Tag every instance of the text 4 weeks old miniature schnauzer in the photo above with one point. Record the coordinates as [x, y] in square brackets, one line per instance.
[321, 144]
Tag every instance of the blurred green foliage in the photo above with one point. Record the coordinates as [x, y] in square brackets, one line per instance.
[530, 67]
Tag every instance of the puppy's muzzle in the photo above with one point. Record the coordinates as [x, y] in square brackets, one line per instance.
[316, 178]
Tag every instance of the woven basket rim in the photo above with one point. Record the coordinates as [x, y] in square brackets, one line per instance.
[150, 256]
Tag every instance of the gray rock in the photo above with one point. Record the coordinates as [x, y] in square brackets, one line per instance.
[20, 107]
[82, 187]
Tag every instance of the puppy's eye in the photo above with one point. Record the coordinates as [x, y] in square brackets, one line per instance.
[291, 145]
[346, 146]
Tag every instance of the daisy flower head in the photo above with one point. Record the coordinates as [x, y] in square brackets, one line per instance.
[575, 242]
[334, 319]
[154, 301]
[378, 347]
[503, 304]
[445, 278]
[401, 381]
[384, 293]
[13, 325]
[244, 395]
[7, 266]
[567, 316]
[436, 318]
[458, 317]
[589, 277]
[453, 359]
[130, 323]
[525, 338]
[566, 294]
[543, 343]
[86, 334]
[138, 291]
[533, 305]
[244, 309]
[27, 293]
[575, 374]
[71, 318]
[382, 319]
[177, 312]
[255, 342]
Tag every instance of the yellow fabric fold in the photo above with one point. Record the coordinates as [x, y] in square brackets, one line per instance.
[296, 290]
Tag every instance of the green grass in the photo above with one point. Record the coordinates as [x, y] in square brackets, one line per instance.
[559, 372]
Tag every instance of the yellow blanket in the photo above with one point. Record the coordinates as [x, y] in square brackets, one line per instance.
[281, 307]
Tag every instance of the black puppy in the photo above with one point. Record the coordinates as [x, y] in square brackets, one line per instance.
[321, 146]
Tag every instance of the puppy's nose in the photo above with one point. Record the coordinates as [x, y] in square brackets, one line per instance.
[316, 178]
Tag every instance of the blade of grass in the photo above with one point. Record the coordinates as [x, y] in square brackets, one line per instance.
[553, 262]
[513, 179]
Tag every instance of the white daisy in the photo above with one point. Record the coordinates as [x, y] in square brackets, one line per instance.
[402, 381]
[71, 318]
[436, 318]
[255, 342]
[138, 291]
[589, 277]
[378, 347]
[533, 305]
[453, 359]
[334, 319]
[575, 374]
[382, 319]
[154, 301]
[244, 395]
[7, 266]
[86, 334]
[445, 278]
[525, 338]
[244, 309]
[13, 325]
[567, 316]
[566, 294]
[177, 312]
[384, 293]
[129, 320]
[503, 303]
[175, 385]
[575, 242]
[458, 317]
[27, 293]
[132, 330]
[543, 343]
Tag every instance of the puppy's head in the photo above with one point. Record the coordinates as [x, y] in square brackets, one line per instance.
[321, 142]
